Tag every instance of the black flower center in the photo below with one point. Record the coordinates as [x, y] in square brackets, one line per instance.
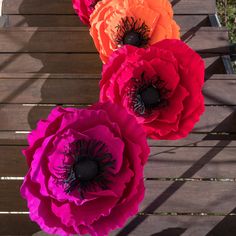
[90, 169]
[133, 32]
[150, 96]
[86, 170]
[145, 95]
[132, 38]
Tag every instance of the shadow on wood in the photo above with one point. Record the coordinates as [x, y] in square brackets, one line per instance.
[170, 232]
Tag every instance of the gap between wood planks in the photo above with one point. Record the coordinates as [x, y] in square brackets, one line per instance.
[145, 214]
[177, 179]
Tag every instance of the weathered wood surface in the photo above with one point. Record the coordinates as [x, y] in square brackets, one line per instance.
[77, 39]
[18, 117]
[53, 76]
[164, 162]
[84, 89]
[157, 225]
[75, 63]
[185, 21]
[62, 7]
[160, 196]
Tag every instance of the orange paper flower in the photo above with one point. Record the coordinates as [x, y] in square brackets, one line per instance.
[136, 22]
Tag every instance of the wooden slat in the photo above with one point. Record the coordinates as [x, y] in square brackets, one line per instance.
[191, 162]
[220, 91]
[24, 117]
[17, 225]
[171, 162]
[65, 7]
[54, 63]
[77, 39]
[57, 90]
[154, 225]
[193, 139]
[84, 89]
[75, 63]
[12, 161]
[167, 196]
[185, 21]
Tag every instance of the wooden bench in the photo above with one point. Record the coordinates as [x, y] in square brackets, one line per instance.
[47, 58]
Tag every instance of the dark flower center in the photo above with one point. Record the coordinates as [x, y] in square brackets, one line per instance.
[132, 38]
[90, 169]
[132, 32]
[86, 170]
[145, 95]
[150, 96]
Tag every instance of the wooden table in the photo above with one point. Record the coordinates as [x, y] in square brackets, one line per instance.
[47, 58]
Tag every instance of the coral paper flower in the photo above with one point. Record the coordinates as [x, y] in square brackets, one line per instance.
[85, 170]
[160, 85]
[135, 22]
[84, 9]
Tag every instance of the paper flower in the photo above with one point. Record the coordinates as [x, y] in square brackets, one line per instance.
[85, 170]
[135, 22]
[160, 85]
[84, 9]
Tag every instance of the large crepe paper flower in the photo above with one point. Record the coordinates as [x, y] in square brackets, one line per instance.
[135, 22]
[85, 170]
[160, 85]
[84, 9]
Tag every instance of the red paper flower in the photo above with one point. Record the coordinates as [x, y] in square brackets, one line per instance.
[160, 85]
[85, 170]
[84, 9]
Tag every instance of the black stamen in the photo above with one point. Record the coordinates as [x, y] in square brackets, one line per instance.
[91, 167]
[147, 95]
[132, 32]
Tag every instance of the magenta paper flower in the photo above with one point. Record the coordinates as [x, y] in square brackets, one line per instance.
[84, 9]
[160, 85]
[85, 170]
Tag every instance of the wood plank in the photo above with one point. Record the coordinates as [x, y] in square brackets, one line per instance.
[12, 161]
[55, 90]
[191, 162]
[54, 63]
[193, 139]
[35, 7]
[153, 225]
[28, 115]
[160, 196]
[164, 162]
[77, 39]
[84, 89]
[17, 225]
[220, 91]
[185, 21]
[75, 63]
[189, 197]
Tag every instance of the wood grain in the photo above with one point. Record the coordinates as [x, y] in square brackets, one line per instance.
[77, 39]
[75, 63]
[160, 196]
[164, 162]
[84, 89]
[154, 225]
[24, 117]
[204, 162]
[193, 139]
[65, 7]
[185, 21]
